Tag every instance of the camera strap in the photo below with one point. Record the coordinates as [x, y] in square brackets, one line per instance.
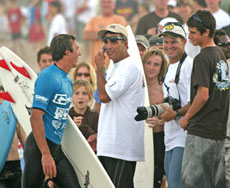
[177, 76]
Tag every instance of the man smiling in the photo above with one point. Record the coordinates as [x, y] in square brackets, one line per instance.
[120, 141]
[177, 85]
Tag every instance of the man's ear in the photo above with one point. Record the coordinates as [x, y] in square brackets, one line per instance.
[126, 43]
[206, 33]
[67, 52]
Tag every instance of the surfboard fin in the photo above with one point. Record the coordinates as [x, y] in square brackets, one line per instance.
[4, 65]
[6, 96]
[21, 70]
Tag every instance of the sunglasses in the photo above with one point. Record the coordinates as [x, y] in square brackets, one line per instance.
[85, 74]
[197, 19]
[224, 44]
[112, 39]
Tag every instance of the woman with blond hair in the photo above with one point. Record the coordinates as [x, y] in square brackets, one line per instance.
[86, 71]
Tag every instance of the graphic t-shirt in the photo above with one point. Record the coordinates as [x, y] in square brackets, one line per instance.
[210, 70]
[53, 94]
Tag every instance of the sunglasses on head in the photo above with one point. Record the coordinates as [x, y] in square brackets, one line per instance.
[112, 39]
[224, 44]
[85, 74]
[197, 19]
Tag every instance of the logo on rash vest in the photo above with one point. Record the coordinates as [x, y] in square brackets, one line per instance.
[62, 99]
[41, 98]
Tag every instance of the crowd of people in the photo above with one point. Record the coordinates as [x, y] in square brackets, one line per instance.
[185, 50]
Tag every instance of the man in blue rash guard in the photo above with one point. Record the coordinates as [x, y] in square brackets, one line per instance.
[43, 154]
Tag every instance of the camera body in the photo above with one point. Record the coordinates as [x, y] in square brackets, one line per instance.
[156, 110]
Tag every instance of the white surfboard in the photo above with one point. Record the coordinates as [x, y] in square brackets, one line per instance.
[18, 79]
[144, 174]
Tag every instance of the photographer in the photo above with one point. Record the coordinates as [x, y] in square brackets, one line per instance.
[176, 85]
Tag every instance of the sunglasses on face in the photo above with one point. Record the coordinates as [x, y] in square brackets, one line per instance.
[83, 74]
[112, 39]
[223, 44]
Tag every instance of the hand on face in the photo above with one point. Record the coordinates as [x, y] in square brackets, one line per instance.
[99, 60]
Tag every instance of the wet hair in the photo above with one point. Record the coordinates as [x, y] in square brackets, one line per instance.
[45, 50]
[91, 72]
[156, 51]
[217, 34]
[60, 44]
[202, 20]
[84, 83]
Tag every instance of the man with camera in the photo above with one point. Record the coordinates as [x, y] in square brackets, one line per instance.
[176, 86]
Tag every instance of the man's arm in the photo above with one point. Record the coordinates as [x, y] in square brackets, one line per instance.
[198, 102]
[48, 164]
[170, 114]
[99, 61]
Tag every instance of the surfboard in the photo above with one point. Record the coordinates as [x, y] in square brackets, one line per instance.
[18, 79]
[7, 127]
[144, 174]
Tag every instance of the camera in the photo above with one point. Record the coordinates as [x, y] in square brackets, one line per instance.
[156, 110]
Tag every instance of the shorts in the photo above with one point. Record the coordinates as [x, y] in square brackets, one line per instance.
[203, 163]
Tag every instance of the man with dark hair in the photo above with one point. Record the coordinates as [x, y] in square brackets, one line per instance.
[44, 57]
[222, 40]
[43, 154]
[207, 116]
[120, 140]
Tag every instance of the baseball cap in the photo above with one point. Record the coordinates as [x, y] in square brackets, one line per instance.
[155, 41]
[173, 29]
[114, 28]
[140, 39]
[172, 3]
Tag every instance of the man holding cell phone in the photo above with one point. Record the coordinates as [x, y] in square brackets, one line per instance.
[120, 141]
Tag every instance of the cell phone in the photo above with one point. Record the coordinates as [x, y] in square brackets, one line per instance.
[103, 49]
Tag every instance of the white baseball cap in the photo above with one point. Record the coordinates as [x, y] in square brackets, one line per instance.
[174, 29]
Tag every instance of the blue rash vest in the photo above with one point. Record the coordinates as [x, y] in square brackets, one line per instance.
[53, 94]
[7, 115]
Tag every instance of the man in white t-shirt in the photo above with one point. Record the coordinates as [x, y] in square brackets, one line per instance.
[176, 85]
[120, 141]
[58, 23]
[222, 17]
